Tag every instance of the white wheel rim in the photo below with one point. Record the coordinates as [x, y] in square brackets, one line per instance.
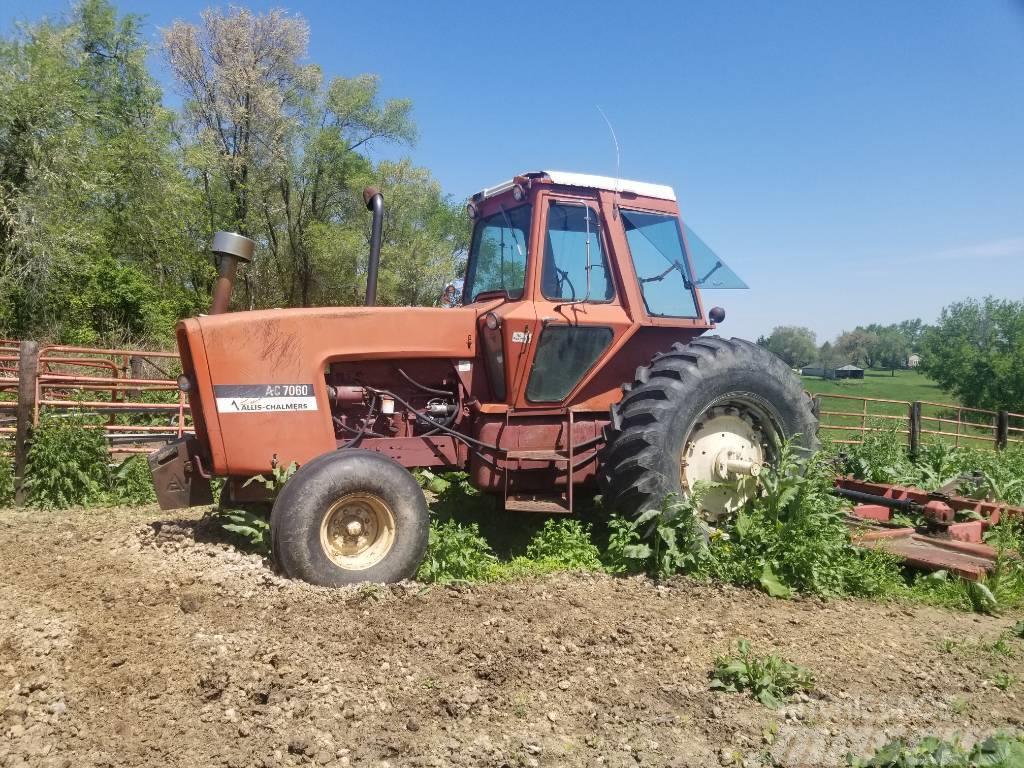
[724, 452]
[358, 531]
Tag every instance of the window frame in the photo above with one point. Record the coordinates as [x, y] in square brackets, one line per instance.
[595, 208]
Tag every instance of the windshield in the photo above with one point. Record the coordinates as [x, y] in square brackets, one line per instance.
[497, 256]
[656, 247]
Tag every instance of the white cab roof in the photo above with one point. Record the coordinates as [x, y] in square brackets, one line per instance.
[565, 178]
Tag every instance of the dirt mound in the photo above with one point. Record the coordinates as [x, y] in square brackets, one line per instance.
[127, 638]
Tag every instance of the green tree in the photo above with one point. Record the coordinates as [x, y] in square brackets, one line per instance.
[87, 172]
[827, 356]
[794, 344]
[108, 199]
[858, 346]
[911, 331]
[976, 352]
[283, 157]
[891, 349]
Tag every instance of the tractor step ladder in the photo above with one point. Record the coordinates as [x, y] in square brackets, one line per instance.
[545, 503]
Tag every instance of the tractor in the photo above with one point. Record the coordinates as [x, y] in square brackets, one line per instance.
[576, 363]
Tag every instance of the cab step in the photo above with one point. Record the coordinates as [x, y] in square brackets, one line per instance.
[533, 502]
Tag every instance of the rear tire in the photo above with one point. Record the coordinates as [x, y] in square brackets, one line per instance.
[349, 517]
[692, 410]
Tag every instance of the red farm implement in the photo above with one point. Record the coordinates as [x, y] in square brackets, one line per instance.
[945, 532]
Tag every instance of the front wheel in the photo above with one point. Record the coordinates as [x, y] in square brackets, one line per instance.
[709, 413]
[349, 517]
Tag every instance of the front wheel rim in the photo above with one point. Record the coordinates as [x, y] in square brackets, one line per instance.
[724, 452]
[358, 531]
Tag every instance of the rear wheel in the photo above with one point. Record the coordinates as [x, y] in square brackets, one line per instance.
[711, 412]
[349, 517]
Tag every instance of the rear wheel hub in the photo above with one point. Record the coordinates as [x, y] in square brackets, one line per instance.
[724, 453]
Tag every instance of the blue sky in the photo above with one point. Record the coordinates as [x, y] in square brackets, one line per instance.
[854, 162]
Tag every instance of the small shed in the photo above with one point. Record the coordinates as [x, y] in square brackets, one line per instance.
[812, 370]
[849, 371]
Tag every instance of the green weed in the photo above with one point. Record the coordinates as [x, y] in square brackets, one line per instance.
[1003, 680]
[660, 542]
[1001, 589]
[133, 482]
[250, 531]
[769, 679]
[456, 552]
[564, 543]
[794, 538]
[68, 462]
[998, 751]
[6, 473]
[279, 475]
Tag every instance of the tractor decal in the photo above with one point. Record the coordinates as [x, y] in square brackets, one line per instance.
[261, 398]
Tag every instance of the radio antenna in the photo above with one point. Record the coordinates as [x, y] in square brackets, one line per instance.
[618, 158]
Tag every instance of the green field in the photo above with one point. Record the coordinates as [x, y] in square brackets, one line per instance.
[905, 385]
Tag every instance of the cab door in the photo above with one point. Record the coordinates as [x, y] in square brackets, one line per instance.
[579, 313]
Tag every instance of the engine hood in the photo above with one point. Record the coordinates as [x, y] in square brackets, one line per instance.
[283, 353]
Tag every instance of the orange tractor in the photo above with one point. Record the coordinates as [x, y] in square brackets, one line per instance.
[576, 361]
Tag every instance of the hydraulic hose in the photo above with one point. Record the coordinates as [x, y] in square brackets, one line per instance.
[424, 387]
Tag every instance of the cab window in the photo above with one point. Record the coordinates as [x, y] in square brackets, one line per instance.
[656, 247]
[564, 355]
[497, 256]
[575, 268]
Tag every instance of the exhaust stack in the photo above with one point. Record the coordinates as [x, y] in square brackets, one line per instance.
[229, 248]
[374, 202]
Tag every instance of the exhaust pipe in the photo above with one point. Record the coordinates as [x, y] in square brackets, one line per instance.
[374, 202]
[229, 248]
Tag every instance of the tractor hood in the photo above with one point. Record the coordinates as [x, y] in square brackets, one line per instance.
[259, 375]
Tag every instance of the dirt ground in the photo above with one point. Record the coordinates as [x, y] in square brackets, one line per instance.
[125, 641]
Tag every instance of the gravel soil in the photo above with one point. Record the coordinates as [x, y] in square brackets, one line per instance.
[131, 637]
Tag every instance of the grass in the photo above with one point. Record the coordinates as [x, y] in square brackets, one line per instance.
[905, 385]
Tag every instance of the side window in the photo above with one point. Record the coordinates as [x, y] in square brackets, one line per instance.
[498, 253]
[574, 263]
[656, 247]
[564, 354]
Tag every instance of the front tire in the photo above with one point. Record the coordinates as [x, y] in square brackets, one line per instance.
[349, 517]
[713, 412]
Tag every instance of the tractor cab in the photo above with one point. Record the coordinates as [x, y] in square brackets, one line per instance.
[581, 265]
